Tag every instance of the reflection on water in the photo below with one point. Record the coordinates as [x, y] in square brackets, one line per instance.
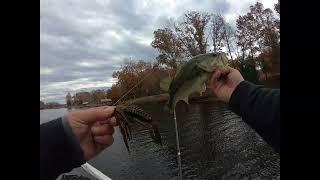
[215, 144]
[50, 114]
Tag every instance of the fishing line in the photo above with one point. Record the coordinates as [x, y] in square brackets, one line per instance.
[133, 87]
[175, 122]
[178, 145]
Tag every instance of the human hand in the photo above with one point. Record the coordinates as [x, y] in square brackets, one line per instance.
[224, 81]
[93, 128]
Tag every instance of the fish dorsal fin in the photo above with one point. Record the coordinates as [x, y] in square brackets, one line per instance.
[165, 84]
[205, 67]
[219, 60]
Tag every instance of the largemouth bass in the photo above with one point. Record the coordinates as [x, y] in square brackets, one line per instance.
[191, 77]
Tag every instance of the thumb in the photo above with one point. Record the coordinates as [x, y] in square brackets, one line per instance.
[214, 78]
[93, 115]
[106, 111]
[224, 74]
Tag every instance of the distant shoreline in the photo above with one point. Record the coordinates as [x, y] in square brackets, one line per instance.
[273, 82]
[142, 100]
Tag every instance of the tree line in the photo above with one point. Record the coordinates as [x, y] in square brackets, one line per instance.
[253, 47]
[137, 79]
[80, 98]
[254, 42]
[50, 105]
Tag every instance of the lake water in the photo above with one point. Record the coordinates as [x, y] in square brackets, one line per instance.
[215, 144]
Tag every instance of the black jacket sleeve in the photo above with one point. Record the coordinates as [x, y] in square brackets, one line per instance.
[59, 150]
[260, 108]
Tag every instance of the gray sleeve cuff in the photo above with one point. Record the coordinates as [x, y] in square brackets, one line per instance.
[72, 139]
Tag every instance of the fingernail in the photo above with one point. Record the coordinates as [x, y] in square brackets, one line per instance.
[108, 107]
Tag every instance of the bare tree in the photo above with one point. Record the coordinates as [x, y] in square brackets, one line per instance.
[191, 32]
[229, 37]
[245, 39]
[217, 30]
[277, 7]
[68, 99]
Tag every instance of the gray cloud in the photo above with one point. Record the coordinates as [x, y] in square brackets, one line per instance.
[83, 42]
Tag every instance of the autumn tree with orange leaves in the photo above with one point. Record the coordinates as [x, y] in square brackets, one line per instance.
[253, 44]
[137, 79]
[169, 47]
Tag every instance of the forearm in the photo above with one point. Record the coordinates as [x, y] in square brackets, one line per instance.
[59, 150]
[260, 108]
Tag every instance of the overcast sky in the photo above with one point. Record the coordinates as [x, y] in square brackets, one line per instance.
[83, 42]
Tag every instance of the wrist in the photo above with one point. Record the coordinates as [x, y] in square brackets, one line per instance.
[72, 138]
[230, 92]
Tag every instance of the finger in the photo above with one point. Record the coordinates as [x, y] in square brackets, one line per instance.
[214, 78]
[224, 74]
[93, 115]
[220, 74]
[105, 140]
[104, 121]
[102, 130]
[113, 121]
[99, 123]
[109, 110]
[227, 69]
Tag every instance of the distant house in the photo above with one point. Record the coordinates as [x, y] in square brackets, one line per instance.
[85, 103]
[97, 95]
[42, 105]
[82, 97]
[106, 101]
